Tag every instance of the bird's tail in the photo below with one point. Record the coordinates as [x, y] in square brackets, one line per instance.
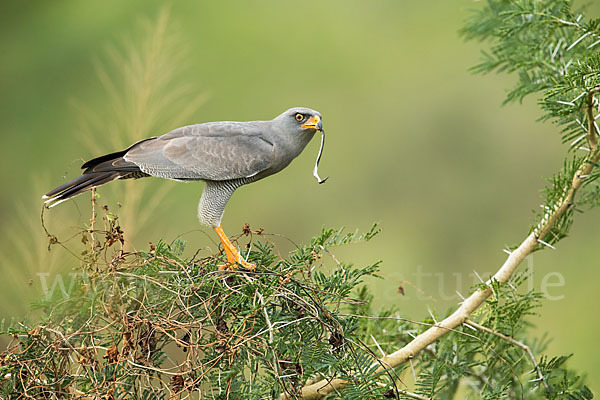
[96, 172]
[77, 186]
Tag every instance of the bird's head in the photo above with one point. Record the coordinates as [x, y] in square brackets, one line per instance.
[305, 122]
[302, 119]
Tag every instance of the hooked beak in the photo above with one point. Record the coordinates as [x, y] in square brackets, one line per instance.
[313, 122]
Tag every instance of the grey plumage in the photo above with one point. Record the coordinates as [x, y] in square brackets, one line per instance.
[214, 198]
[212, 151]
[226, 155]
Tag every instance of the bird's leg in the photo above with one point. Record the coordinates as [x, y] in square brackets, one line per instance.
[233, 254]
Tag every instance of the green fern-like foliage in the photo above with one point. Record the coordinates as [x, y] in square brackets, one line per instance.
[478, 364]
[159, 325]
[553, 50]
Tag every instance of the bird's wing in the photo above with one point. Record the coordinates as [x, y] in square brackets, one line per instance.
[214, 151]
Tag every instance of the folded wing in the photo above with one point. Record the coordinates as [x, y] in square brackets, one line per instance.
[214, 151]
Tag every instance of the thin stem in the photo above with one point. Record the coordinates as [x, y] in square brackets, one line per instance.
[514, 342]
[93, 220]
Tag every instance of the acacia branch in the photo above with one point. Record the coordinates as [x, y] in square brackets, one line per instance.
[509, 339]
[477, 299]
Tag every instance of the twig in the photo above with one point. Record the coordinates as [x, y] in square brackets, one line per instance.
[93, 220]
[267, 319]
[413, 395]
[407, 393]
[514, 342]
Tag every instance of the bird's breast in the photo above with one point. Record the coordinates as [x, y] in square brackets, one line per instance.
[284, 151]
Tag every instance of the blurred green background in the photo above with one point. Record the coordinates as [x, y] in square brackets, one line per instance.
[414, 141]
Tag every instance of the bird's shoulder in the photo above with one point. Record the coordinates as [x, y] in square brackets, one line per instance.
[221, 129]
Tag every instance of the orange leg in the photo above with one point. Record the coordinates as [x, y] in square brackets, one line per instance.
[233, 255]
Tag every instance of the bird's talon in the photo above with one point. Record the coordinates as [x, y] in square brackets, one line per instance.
[249, 266]
[225, 267]
[233, 266]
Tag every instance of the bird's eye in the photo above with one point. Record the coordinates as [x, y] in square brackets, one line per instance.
[299, 117]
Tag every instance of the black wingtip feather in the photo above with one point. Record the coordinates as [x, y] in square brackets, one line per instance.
[112, 156]
[99, 160]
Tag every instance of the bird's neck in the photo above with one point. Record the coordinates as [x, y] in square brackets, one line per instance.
[296, 145]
